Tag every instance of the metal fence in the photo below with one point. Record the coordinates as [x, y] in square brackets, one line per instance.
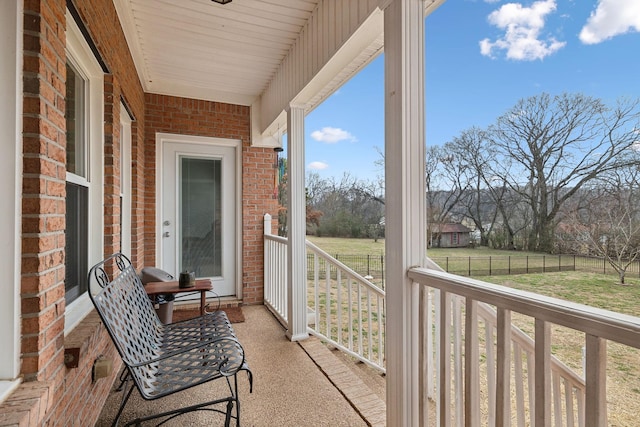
[600, 265]
[372, 266]
[506, 265]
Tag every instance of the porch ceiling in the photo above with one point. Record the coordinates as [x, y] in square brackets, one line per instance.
[260, 53]
[201, 49]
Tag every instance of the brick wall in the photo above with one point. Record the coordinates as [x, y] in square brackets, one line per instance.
[121, 82]
[78, 399]
[43, 203]
[74, 398]
[167, 114]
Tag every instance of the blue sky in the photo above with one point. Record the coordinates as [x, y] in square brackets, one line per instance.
[482, 56]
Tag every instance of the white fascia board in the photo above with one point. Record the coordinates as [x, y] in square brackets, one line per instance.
[125, 15]
[325, 80]
[431, 5]
[166, 87]
[344, 58]
[272, 136]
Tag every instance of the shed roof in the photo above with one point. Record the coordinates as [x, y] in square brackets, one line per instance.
[450, 228]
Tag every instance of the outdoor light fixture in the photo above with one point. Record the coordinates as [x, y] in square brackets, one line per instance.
[221, 1]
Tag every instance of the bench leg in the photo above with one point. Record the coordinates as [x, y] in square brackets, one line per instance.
[125, 399]
[237, 397]
[124, 376]
[181, 411]
[227, 418]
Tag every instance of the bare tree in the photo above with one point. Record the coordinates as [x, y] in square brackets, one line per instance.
[606, 220]
[350, 207]
[510, 231]
[445, 182]
[550, 147]
[477, 202]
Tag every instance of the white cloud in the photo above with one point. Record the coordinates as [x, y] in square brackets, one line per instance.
[332, 135]
[522, 26]
[611, 18]
[636, 144]
[317, 166]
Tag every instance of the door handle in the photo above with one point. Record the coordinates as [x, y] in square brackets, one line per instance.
[166, 234]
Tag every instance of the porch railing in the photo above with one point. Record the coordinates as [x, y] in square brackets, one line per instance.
[485, 376]
[477, 361]
[344, 309]
[275, 274]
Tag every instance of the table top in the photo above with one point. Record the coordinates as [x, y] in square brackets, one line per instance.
[173, 287]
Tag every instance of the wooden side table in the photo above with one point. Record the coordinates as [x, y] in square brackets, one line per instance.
[202, 286]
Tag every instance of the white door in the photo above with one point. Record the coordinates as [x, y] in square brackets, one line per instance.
[198, 200]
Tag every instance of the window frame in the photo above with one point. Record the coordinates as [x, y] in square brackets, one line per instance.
[81, 56]
[125, 181]
[11, 61]
[82, 168]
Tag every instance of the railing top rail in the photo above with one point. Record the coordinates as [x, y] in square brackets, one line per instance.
[606, 324]
[328, 258]
[275, 238]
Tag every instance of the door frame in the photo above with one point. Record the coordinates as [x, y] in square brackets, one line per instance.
[163, 138]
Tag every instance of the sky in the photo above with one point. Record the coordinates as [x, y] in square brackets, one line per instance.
[481, 58]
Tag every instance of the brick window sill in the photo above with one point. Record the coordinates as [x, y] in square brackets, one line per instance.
[27, 405]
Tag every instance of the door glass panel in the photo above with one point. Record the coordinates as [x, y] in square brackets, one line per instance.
[200, 216]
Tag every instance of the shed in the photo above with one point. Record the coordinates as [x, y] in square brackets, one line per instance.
[449, 235]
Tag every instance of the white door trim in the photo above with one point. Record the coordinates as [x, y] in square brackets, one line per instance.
[164, 138]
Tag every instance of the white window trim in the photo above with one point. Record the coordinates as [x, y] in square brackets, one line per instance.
[11, 14]
[125, 179]
[79, 50]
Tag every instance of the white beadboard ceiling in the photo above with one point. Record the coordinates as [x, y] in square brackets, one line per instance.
[231, 53]
[201, 49]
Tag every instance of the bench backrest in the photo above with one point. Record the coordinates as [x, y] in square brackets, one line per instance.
[125, 308]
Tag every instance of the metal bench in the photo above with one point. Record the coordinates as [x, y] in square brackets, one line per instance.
[165, 359]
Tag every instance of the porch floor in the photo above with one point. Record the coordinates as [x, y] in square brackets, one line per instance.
[295, 384]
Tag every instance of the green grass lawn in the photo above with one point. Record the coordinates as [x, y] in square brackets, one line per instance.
[345, 246]
[596, 290]
[342, 246]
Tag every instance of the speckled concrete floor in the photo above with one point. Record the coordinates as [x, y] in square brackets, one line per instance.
[289, 389]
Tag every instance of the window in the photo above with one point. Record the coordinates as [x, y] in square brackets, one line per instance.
[77, 206]
[84, 114]
[76, 118]
[454, 238]
[77, 239]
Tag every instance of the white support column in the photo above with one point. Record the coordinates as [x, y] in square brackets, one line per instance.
[11, 32]
[296, 227]
[405, 204]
